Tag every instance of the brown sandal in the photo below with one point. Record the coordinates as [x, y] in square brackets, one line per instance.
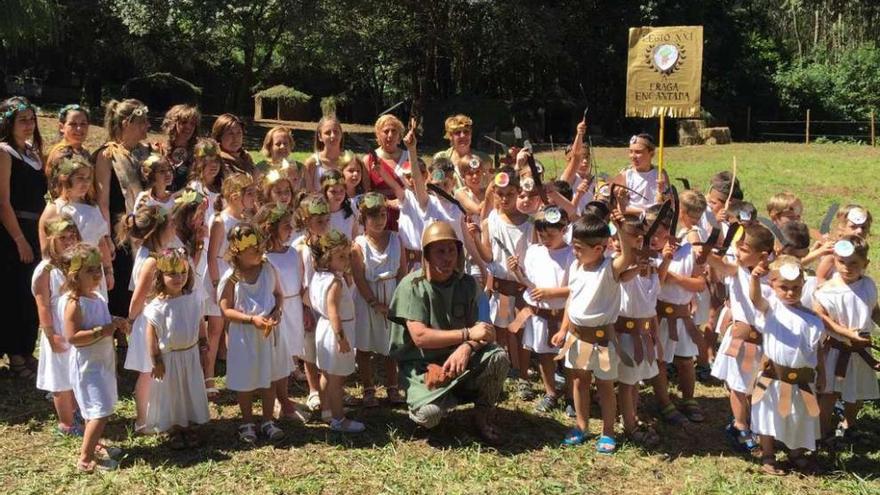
[769, 466]
[803, 464]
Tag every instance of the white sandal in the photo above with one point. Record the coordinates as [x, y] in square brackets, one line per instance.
[212, 392]
[247, 433]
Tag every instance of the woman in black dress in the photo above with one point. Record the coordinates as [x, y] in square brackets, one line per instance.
[22, 188]
[117, 177]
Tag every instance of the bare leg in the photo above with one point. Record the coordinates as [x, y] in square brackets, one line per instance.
[686, 376]
[608, 405]
[850, 412]
[740, 405]
[391, 375]
[547, 366]
[627, 407]
[332, 388]
[64, 407]
[215, 330]
[826, 413]
[246, 405]
[280, 388]
[141, 397]
[93, 431]
[581, 388]
[267, 396]
[660, 383]
[365, 368]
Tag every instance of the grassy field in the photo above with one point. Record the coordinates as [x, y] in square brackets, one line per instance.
[395, 457]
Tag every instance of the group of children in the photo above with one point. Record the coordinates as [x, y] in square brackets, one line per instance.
[294, 264]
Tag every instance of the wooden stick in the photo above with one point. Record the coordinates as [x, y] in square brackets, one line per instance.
[732, 183]
[660, 155]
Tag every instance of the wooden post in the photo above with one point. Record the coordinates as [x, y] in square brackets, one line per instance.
[660, 153]
[873, 130]
[808, 127]
[749, 123]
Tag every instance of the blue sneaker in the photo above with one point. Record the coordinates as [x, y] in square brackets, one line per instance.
[742, 440]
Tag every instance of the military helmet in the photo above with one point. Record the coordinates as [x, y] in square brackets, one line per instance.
[440, 231]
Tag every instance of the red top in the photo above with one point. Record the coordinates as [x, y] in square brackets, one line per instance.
[379, 185]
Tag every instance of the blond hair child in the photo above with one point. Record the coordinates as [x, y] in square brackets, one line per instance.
[89, 328]
[250, 297]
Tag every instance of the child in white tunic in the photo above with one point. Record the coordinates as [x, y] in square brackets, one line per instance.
[89, 328]
[343, 217]
[679, 336]
[250, 298]
[636, 326]
[645, 186]
[53, 373]
[175, 335]
[74, 177]
[506, 234]
[157, 174]
[849, 301]
[331, 297]
[150, 228]
[377, 264]
[587, 330]
[207, 181]
[784, 407]
[276, 223]
[545, 273]
[312, 217]
[239, 198]
[739, 356]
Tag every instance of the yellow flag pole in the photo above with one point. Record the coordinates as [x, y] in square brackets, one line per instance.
[660, 155]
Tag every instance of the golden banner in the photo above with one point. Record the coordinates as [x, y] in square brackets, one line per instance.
[664, 68]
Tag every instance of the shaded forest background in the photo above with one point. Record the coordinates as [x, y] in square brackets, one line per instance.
[513, 61]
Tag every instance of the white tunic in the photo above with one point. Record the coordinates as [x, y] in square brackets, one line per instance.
[545, 268]
[645, 184]
[505, 238]
[328, 358]
[91, 224]
[138, 356]
[850, 305]
[249, 362]
[791, 338]
[729, 369]
[439, 209]
[229, 221]
[93, 367]
[289, 266]
[309, 350]
[594, 301]
[346, 225]
[145, 198]
[638, 299]
[88, 219]
[411, 222]
[683, 264]
[373, 333]
[179, 398]
[53, 371]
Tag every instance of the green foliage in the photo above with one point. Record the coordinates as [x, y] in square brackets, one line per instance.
[843, 89]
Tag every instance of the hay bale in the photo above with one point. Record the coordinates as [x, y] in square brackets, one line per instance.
[689, 140]
[716, 135]
[689, 132]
